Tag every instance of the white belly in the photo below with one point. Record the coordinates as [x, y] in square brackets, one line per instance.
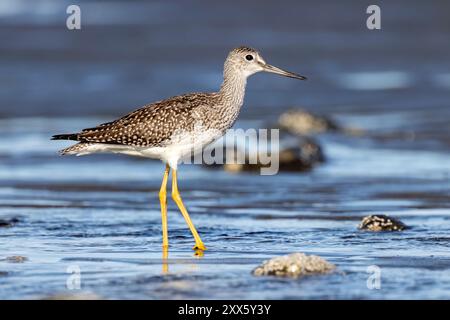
[178, 147]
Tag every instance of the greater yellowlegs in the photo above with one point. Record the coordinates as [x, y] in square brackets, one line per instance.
[174, 128]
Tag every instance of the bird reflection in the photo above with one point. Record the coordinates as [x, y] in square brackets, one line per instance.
[165, 260]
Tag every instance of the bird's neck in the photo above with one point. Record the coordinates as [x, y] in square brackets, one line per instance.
[232, 91]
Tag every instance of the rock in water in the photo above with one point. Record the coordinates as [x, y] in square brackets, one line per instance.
[74, 296]
[381, 223]
[16, 259]
[302, 155]
[294, 265]
[302, 122]
[8, 222]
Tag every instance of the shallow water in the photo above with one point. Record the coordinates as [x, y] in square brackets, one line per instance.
[101, 213]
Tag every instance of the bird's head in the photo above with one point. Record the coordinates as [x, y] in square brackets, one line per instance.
[248, 61]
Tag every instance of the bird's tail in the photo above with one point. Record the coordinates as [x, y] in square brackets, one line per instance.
[70, 136]
[78, 149]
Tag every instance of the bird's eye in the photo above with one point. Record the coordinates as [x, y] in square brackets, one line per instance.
[249, 57]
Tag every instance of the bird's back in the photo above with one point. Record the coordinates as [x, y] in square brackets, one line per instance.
[153, 124]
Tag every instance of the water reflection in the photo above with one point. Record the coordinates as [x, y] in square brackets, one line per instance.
[191, 263]
[165, 257]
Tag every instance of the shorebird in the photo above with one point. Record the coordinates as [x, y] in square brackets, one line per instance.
[171, 129]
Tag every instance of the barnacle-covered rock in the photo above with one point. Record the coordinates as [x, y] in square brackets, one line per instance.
[302, 155]
[294, 265]
[302, 122]
[381, 223]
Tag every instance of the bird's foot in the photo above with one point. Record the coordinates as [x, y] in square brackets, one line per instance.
[199, 247]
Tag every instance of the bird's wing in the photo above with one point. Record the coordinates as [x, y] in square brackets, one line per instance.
[100, 126]
[149, 126]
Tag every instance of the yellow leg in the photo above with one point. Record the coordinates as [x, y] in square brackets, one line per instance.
[163, 201]
[165, 256]
[177, 198]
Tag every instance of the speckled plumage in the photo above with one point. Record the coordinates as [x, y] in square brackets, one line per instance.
[172, 128]
[154, 124]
